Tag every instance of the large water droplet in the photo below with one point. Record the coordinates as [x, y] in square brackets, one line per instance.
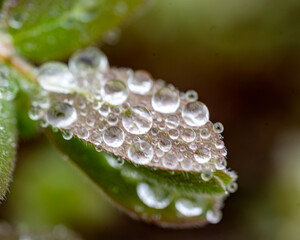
[137, 120]
[140, 152]
[195, 114]
[154, 197]
[88, 60]
[113, 136]
[188, 208]
[61, 115]
[114, 92]
[140, 82]
[165, 100]
[56, 77]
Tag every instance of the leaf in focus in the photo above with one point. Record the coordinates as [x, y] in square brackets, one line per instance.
[53, 29]
[8, 136]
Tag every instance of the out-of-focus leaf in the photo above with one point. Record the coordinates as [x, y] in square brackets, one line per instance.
[7, 143]
[120, 179]
[52, 29]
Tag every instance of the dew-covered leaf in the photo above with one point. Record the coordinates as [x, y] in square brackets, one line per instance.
[8, 133]
[169, 163]
[52, 29]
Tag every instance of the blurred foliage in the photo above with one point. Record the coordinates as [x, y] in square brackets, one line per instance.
[47, 191]
[43, 30]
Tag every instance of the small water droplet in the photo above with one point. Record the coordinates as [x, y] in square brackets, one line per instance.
[213, 217]
[232, 187]
[188, 135]
[8, 87]
[170, 161]
[67, 134]
[202, 155]
[165, 144]
[172, 121]
[218, 127]
[61, 115]
[191, 95]
[140, 152]
[206, 175]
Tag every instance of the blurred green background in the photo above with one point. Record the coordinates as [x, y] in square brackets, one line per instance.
[243, 59]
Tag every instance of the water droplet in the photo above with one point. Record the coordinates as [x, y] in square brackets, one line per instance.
[195, 114]
[172, 121]
[140, 82]
[140, 152]
[204, 133]
[56, 77]
[88, 60]
[137, 120]
[218, 127]
[206, 175]
[83, 133]
[188, 208]
[67, 134]
[35, 113]
[187, 164]
[174, 133]
[104, 110]
[165, 100]
[188, 135]
[232, 187]
[221, 163]
[112, 119]
[165, 144]
[61, 115]
[90, 120]
[191, 95]
[170, 161]
[114, 92]
[219, 144]
[154, 197]
[213, 217]
[113, 136]
[202, 155]
[8, 87]
[16, 20]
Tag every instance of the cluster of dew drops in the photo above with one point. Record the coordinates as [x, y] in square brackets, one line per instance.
[129, 114]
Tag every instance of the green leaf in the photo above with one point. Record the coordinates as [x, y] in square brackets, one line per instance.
[8, 142]
[119, 179]
[52, 29]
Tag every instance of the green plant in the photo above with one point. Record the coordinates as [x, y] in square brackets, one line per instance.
[149, 147]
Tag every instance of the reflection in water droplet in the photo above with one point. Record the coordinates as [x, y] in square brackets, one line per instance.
[165, 100]
[67, 134]
[218, 127]
[202, 155]
[140, 152]
[137, 120]
[188, 208]
[114, 92]
[154, 197]
[188, 135]
[61, 115]
[206, 175]
[170, 161]
[195, 114]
